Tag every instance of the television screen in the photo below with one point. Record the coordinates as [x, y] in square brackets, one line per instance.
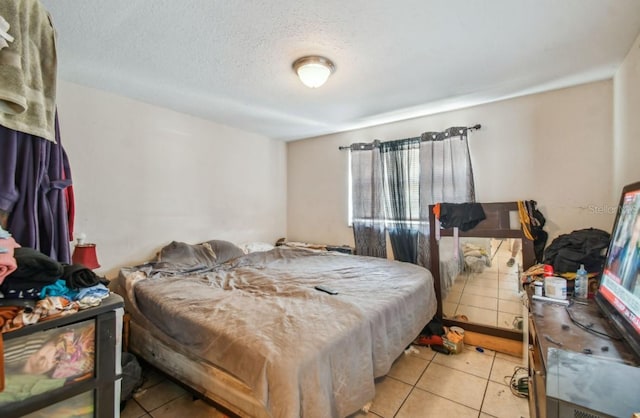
[619, 291]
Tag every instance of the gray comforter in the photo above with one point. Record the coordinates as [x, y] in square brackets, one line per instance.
[303, 352]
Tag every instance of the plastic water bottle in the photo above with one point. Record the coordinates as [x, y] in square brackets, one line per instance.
[581, 284]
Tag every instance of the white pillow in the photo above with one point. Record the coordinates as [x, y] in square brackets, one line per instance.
[252, 247]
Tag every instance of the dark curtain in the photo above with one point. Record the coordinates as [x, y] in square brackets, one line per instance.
[34, 173]
[367, 200]
[401, 168]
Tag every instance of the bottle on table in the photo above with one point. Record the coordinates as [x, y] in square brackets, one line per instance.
[581, 284]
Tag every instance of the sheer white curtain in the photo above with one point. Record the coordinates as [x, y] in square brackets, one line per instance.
[446, 175]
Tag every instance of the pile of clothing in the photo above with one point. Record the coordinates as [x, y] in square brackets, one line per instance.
[446, 340]
[7, 260]
[475, 258]
[34, 287]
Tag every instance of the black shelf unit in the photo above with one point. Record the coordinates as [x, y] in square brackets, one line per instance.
[102, 389]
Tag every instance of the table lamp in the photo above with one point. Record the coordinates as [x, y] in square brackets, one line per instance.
[85, 253]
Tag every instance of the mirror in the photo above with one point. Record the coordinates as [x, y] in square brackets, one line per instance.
[491, 284]
[481, 283]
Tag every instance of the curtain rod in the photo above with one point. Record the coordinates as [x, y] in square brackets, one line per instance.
[470, 128]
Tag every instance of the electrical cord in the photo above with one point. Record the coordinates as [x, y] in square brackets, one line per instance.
[519, 385]
[589, 328]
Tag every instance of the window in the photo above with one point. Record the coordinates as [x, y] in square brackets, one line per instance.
[404, 185]
[392, 184]
[400, 176]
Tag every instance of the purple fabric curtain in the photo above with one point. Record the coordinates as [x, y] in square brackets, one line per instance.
[34, 174]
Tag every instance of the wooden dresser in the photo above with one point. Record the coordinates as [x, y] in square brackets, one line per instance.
[556, 342]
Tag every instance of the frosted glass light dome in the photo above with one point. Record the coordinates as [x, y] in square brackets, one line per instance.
[313, 71]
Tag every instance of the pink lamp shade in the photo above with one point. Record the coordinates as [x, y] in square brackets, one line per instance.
[85, 254]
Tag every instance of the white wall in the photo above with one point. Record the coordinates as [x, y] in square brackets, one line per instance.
[144, 176]
[626, 121]
[554, 147]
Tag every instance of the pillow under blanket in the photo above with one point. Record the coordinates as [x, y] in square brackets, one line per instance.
[183, 256]
[180, 256]
[224, 250]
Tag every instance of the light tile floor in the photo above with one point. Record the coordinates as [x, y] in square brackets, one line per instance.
[419, 385]
[492, 297]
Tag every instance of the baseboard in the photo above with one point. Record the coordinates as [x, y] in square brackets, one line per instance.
[502, 345]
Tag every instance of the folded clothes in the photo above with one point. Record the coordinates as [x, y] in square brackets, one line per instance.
[59, 288]
[7, 313]
[13, 288]
[8, 262]
[53, 306]
[97, 291]
[50, 307]
[88, 302]
[78, 276]
[7, 265]
[36, 266]
[8, 242]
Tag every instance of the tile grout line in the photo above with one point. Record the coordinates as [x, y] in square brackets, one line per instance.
[413, 387]
[148, 412]
[487, 380]
[404, 401]
[486, 387]
[450, 400]
[141, 407]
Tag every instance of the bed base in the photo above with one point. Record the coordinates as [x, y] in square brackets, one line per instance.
[201, 376]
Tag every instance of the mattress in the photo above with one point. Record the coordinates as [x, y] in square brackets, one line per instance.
[303, 352]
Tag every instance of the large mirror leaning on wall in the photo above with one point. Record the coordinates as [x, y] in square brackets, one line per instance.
[478, 272]
[485, 285]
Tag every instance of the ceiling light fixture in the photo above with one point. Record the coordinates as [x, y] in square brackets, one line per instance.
[313, 70]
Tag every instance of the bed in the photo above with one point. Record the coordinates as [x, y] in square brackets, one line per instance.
[253, 334]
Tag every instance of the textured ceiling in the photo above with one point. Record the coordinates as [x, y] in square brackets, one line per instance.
[230, 61]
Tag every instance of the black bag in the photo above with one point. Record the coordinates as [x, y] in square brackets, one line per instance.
[434, 327]
[131, 377]
[537, 222]
[585, 246]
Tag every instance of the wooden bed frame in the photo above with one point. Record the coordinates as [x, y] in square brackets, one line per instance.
[199, 375]
[496, 225]
[222, 389]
